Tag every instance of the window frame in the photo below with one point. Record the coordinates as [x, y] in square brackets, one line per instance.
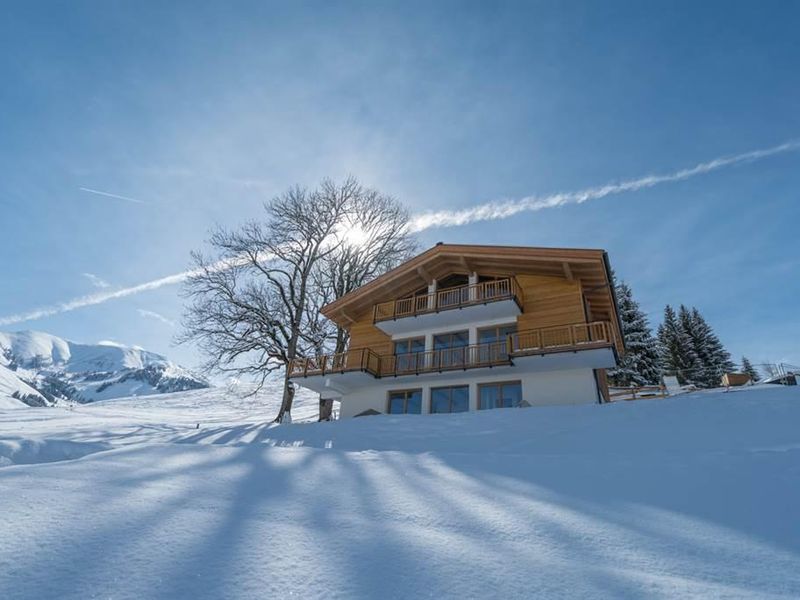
[451, 357]
[409, 361]
[450, 388]
[498, 384]
[492, 352]
[408, 342]
[495, 329]
[406, 393]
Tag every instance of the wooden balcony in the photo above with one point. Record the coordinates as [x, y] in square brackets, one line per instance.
[563, 338]
[578, 336]
[449, 299]
[361, 359]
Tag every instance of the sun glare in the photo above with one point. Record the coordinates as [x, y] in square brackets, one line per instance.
[354, 235]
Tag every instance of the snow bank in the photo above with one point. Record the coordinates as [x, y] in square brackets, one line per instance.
[691, 497]
[21, 451]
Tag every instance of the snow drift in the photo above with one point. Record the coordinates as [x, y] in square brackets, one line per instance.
[689, 497]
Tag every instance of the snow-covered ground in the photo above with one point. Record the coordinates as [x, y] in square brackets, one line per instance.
[695, 496]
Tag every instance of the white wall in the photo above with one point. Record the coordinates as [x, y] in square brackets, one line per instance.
[573, 386]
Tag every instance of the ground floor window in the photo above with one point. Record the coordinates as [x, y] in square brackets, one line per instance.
[405, 402]
[499, 395]
[450, 399]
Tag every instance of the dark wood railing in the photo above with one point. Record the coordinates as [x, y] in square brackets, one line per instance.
[361, 359]
[447, 359]
[578, 336]
[449, 298]
[549, 339]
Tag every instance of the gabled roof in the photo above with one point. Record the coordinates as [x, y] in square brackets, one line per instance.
[589, 266]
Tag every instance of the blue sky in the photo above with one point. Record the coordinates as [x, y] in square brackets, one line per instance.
[200, 111]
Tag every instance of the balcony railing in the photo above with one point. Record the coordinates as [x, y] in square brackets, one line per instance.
[449, 298]
[550, 339]
[362, 359]
[447, 359]
[562, 338]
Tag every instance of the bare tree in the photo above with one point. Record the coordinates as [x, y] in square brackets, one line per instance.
[252, 305]
[255, 302]
[375, 239]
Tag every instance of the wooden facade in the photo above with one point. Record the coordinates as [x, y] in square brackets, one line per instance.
[556, 287]
[564, 298]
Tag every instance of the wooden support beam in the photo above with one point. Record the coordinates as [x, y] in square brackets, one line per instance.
[427, 277]
[567, 271]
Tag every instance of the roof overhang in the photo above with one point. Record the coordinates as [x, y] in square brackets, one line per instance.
[589, 266]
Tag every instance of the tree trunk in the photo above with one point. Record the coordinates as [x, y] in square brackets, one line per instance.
[325, 409]
[288, 398]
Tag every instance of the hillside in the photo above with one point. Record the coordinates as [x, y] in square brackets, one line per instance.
[194, 495]
[61, 370]
[13, 389]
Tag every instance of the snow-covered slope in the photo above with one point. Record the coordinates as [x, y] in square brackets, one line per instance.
[61, 369]
[195, 495]
[14, 390]
[35, 349]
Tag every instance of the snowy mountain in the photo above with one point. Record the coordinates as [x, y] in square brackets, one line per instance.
[13, 390]
[41, 369]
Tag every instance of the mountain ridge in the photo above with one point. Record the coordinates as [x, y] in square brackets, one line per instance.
[42, 369]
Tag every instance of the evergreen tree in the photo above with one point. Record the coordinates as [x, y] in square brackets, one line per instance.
[641, 364]
[677, 352]
[749, 369]
[713, 360]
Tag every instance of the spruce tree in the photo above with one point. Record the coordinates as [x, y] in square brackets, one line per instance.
[640, 364]
[677, 352]
[749, 369]
[713, 361]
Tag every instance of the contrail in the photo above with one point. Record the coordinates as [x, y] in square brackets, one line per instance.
[151, 314]
[445, 218]
[110, 195]
[503, 209]
[92, 299]
[101, 297]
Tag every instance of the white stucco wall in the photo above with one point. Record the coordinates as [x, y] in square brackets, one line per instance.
[573, 386]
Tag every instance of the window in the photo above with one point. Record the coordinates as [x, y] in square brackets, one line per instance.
[450, 399]
[499, 395]
[450, 348]
[405, 402]
[496, 334]
[493, 343]
[408, 353]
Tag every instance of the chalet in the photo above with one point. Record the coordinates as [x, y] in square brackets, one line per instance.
[460, 328]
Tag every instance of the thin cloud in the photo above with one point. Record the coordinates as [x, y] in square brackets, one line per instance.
[150, 314]
[503, 209]
[483, 212]
[97, 281]
[110, 195]
[102, 297]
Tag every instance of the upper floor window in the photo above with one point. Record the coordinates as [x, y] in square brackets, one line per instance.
[408, 353]
[492, 340]
[496, 334]
[405, 402]
[450, 348]
[409, 346]
[499, 395]
[450, 399]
